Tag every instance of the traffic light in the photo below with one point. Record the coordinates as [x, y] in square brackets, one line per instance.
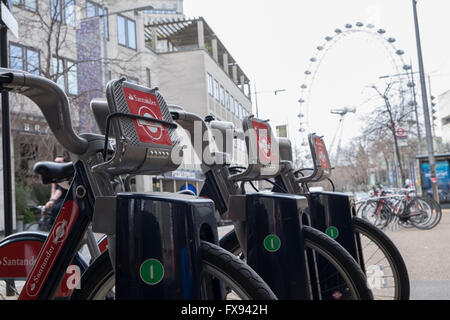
[433, 108]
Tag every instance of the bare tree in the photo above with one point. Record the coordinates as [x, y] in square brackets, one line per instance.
[69, 52]
[386, 119]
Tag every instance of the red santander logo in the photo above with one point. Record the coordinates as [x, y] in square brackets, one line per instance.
[153, 129]
[146, 104]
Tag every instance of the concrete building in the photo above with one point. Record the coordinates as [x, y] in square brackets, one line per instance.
[444, 111]
[196, 71]
[91, 42]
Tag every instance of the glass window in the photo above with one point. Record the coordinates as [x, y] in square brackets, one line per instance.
[227, 100]
[105, 21]
[210, 84]
[30, 4]
[149, 77]
[23, 58]
[131, 34]
[55, 9]
[72, 80]
[126, 32]
[216, 90]
[222, 96]
[15, 57]
[58, 72]
[91, 9]
[121, 31]
[241, 111]
[33, 61]
[69, 12]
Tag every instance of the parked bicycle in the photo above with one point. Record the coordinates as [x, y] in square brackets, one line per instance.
[402, 207]
[255, 220]
[162, 247]
[376, 253]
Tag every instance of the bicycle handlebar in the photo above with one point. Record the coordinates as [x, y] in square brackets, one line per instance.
[52, 101]
[190, 122]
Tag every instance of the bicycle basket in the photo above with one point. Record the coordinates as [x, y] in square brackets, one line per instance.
[145, 136]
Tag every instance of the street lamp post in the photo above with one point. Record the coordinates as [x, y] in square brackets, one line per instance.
[426, 112]
[256, 97]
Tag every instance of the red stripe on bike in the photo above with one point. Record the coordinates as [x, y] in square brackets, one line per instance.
[49, 253]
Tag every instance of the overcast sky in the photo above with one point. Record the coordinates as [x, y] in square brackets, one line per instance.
[273, 41]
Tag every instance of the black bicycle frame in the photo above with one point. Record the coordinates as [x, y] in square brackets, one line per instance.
[63, 240]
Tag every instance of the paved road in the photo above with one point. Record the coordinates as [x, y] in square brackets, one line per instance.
[427, 257]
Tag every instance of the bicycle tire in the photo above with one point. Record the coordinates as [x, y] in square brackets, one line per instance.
[435, 207]
[393, 257]
[383, 219]
[98, 280]
[329, 249]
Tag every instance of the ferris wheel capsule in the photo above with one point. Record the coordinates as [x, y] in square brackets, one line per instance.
[303, 86]
[391, 40]
[301, 100]
[381, 31]
[359, 24]
[348, 26]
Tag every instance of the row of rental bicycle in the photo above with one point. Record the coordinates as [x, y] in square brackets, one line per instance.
[399, 208]
[287, 243]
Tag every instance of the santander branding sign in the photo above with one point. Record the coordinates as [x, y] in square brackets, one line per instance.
[146, 104]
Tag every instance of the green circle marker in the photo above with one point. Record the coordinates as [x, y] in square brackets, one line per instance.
[151, 271]
[272, 243]
[332, 232]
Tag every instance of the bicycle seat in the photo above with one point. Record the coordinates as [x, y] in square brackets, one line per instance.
[54, 171]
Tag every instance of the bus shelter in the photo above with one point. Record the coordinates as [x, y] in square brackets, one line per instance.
[442, 174]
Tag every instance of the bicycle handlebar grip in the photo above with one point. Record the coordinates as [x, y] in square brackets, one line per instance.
[195, 126]
[52, 101]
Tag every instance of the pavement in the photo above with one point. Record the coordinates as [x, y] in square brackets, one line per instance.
[427, 257]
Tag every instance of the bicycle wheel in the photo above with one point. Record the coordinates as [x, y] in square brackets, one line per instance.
[385, 268]
[428, 213]
[376, 213]
[241, 282]
[348, 278]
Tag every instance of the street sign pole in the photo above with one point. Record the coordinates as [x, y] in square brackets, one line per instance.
[6, 142]
[426, 112]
